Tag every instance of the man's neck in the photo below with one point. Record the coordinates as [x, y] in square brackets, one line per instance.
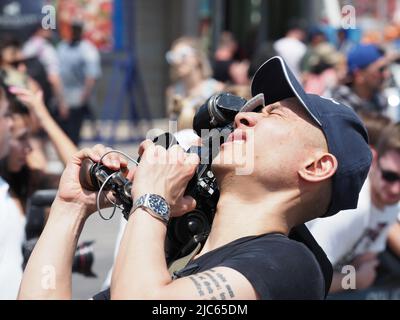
[376, 201]
[237, 217]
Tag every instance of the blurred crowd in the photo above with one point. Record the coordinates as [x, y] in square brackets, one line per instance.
[46, 91]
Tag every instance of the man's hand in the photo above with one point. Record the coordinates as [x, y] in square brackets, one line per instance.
[166, 173]
[70, 189]
[32, 100]
[365, 265]
[57, 244]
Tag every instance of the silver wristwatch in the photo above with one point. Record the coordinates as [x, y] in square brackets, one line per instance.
[157, 206]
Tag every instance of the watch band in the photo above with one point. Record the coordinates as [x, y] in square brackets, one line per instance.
[153, 204]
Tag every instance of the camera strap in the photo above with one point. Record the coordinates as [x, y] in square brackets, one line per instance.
[181, 263]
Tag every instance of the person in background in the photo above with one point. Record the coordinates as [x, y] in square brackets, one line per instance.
[22, 172]
[24, 176]
[224, 57]
[11, 233]
[393, 240]
[39, 47]
[324, 72]
[79, 71]
[227, 68]
[357, 237]
[367, 74]
[12, 64]
[315, 37]
[5, 124]
[292, 48]
[192, 82]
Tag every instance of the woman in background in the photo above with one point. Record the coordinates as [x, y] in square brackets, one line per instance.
[21, 169]
[192, 82]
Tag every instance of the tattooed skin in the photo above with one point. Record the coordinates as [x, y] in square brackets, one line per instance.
[212, 285]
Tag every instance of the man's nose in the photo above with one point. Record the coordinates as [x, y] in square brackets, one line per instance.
[386, 74]
[10, 123]
[395, 188]
[28, 147]
[245, 119]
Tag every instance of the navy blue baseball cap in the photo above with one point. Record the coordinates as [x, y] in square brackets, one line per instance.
[346, 136]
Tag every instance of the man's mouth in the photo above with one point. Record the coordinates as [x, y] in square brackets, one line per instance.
[237, 136]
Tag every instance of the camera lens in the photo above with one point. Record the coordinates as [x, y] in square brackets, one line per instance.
[218, 111]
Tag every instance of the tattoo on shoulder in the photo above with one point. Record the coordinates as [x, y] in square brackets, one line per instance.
[212, 283]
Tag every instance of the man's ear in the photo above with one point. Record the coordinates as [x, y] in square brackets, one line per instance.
[358, 76]
[320, 169]
[374, 156]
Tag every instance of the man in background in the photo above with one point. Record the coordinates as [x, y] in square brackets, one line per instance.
[79, 70]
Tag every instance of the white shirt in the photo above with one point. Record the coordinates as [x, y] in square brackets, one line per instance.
[353, 232]
[79, 62]
[45, 52]
[292, 51]
[12, 234]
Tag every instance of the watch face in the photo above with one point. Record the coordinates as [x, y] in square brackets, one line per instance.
[159, 205]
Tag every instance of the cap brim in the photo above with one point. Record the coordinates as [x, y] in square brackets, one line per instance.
[275, 80]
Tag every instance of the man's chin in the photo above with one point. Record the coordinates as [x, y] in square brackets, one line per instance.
[3, 154]
[390, 201]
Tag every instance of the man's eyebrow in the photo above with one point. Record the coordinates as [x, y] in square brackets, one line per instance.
[276, 106]
[269, 108]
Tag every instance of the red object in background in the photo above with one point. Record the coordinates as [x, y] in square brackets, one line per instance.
[96, 16]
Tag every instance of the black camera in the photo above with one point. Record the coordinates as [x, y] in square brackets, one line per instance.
[213, 123]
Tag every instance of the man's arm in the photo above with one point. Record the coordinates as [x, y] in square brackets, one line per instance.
[58, 90]
[92, 69]
[48, 272]
[87, 89]
[394, 238]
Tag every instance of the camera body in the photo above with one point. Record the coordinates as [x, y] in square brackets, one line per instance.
[213, 123]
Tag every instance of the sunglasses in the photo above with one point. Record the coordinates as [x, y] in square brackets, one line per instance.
[173, 57]
[17, 63]
[389, 176]
[383, 69]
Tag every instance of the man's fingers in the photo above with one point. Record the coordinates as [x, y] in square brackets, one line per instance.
[112, 160]
[176, 154]
[145, 145]
[187, 204]
[131, 173]
[87, 153]
[192, 159]
[19, 91]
